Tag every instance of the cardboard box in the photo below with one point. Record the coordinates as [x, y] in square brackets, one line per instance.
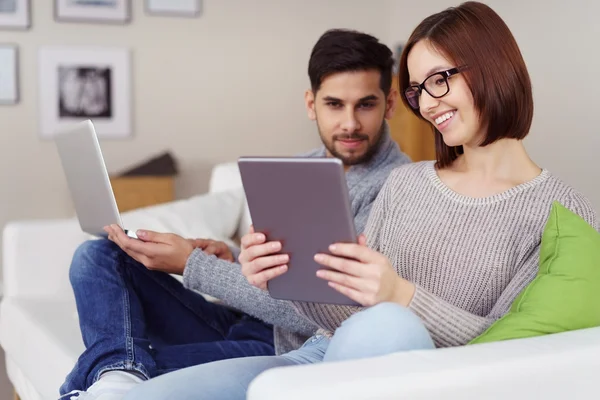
[133, 192]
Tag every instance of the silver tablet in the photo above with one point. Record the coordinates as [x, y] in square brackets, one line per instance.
[304, 203]
[88, 179]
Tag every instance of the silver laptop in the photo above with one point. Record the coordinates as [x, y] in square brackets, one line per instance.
[88, 179]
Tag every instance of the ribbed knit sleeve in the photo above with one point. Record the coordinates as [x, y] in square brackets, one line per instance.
[450, 325]
[468, 257]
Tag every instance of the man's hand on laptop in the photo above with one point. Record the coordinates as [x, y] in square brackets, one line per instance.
[214, 247]
[165, 252]
[259, 259]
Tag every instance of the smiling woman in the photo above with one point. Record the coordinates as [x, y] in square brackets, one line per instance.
[502, 101]
[451, 241]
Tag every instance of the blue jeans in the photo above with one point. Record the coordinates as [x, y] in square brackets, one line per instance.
[145, 321]
[379, 330]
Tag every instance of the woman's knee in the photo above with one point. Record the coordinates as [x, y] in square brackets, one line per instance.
[387, 325]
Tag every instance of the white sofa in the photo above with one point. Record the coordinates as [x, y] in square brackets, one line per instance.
[40, 335]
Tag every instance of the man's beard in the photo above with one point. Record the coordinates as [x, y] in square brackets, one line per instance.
[353, 158]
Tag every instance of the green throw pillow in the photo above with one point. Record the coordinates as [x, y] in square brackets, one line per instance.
[565, 295]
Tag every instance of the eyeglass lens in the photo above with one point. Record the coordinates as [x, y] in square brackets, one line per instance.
[436, 85]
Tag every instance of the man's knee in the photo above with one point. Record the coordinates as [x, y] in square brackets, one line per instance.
[88, 256]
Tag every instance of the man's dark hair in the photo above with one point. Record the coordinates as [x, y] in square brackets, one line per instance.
[341, 50]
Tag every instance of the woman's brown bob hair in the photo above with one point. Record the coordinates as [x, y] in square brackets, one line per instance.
[473, 35]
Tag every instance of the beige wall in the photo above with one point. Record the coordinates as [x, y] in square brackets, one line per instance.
[208, 89]
[558, 40]
[231, 83]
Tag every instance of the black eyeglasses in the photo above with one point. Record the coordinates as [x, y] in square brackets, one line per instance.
[435, 84]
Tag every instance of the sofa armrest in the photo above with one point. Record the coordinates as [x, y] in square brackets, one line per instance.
[562, 365]
[37, 255]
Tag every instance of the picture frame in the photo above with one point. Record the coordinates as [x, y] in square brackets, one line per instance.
[78, 83]
[93, 11]
[15, 14]
[174, 8]
[9, 74]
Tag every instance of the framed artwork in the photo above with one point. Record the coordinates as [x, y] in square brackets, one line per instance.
[9, 75]
[79, 83]
[15, 14]
[100, 11]
[177, 8]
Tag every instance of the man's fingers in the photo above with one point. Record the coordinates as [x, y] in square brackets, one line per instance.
[201, 243]
[212, 249]
[132, 245]
[156, 237]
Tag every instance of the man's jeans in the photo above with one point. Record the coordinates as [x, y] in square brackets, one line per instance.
[383, 329]
[146, 322]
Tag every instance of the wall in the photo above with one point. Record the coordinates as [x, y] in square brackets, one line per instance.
[210, 89]
[558, 42]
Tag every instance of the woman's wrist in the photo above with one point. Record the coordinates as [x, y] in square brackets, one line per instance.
[404, 292]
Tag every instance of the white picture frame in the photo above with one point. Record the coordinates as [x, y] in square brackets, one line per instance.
[15, 14]
[78, 83]
[9, 74]
[94, 11]
[175, 8]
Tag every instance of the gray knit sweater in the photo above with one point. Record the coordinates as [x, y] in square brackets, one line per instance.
[224, 280]
[468, 257]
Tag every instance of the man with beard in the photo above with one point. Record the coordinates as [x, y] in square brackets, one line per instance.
[138, 322]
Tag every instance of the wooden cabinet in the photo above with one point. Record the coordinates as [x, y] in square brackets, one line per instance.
[414, 135]
[133, 192]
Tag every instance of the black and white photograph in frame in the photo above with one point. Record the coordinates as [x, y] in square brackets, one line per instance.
[15, 14]
[9, 75]
[93, 11]
[85, 91]
[78, 83]
[175, 8]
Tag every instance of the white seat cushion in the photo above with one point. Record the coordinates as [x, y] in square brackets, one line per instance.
[42, 337]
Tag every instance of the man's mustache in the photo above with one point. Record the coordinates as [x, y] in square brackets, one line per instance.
[351, 136]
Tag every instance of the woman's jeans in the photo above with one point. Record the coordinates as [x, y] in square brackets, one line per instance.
[379, 330]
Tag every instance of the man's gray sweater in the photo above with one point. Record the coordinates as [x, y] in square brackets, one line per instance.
[224, 280]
